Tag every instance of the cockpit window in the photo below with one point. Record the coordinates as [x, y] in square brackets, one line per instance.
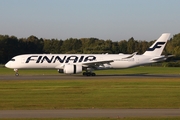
[12, 59]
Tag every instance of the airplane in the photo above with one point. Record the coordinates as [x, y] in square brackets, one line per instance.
[76, 63]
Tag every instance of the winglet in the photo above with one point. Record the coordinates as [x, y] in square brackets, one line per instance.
[130, 56]
[157, 48]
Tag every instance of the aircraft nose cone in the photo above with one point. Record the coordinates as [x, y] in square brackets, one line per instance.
[8, 65]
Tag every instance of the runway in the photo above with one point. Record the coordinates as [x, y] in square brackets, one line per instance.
[90, 113]
[78, 77]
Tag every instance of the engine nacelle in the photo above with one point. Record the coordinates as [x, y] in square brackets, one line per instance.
[71, 69]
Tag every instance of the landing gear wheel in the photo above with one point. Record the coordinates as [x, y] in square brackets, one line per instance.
[93, 74]
[89, 74]
[84, 73]
[16, 74]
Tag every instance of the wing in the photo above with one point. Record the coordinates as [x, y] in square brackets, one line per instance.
[96, 63]
[101, 62]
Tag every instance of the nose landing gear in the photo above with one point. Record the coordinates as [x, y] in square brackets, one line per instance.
[16, 72]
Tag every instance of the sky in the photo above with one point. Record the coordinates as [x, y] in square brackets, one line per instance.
[103, 19]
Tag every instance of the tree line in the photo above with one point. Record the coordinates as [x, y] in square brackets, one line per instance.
[11, 46]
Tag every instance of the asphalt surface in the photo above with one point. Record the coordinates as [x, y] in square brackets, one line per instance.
[84, 113]
[90, 113]
[77, 77]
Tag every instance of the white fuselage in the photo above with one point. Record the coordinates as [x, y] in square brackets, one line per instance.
[58, 60]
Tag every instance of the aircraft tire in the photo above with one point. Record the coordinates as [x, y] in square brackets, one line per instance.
[93, 74]
[16, 74]
[84, 73]
[88, 74]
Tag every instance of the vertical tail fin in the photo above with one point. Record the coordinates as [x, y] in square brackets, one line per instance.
[157, 48]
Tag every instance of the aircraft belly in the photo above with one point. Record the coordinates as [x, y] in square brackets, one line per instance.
[37, 65]
[123, 64]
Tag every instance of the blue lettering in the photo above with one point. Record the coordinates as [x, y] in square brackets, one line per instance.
[74, 58]
[54, 59]
[89, 58]
[39, 58]
[30, 59]
[81, 58]
[59, 59]
[47, 59]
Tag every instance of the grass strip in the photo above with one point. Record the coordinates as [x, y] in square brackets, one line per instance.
[81, 94]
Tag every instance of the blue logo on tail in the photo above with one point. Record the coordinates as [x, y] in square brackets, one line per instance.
[157, 45]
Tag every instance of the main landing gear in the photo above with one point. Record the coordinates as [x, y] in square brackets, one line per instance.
[89, 73]
[16, 72]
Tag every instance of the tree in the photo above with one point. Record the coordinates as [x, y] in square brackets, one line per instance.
[72, 46]
[8, 48]
[131, 45]
[123, 46]
[115, 48]
[52, 46]
[173, 46]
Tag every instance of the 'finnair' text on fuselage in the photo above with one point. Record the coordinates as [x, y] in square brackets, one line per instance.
[64, 59]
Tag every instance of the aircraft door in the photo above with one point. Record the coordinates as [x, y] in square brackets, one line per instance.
[137, 60]
[23, 60]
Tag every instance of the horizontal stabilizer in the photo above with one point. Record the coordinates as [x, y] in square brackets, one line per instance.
[161, 58]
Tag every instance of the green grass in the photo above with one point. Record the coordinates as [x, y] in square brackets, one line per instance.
[109, 93]
[80, 94]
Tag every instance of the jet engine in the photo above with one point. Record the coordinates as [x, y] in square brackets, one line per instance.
[71, 69]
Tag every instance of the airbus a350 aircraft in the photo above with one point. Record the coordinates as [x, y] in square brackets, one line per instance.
[76, 63]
